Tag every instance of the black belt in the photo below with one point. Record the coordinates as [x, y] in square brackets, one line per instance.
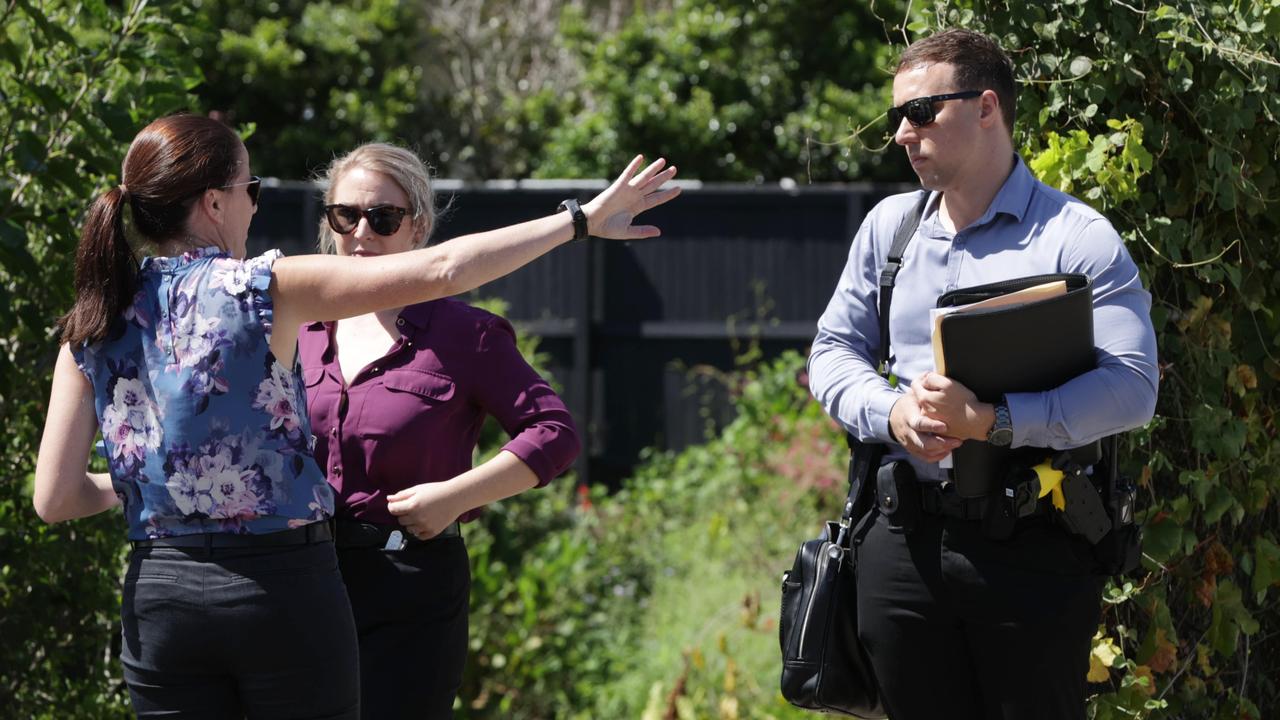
[311, 533]
[940, 498]
[356, 534]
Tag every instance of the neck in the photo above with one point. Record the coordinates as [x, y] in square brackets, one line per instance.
[179, 245]
[964, 204]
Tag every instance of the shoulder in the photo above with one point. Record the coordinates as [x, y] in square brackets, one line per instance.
[458, 316]
[1088, 238]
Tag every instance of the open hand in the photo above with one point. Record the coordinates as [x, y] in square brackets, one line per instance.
[610, 214]
[425, 510]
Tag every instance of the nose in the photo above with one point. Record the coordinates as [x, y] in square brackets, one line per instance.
[905, 133]
[362, 230]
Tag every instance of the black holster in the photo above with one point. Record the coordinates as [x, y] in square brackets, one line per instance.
[898, 495]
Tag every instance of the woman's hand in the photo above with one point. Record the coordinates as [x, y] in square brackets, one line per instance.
[609, 214]
[427, 509]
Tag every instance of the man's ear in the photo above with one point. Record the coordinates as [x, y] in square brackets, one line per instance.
[989, 108]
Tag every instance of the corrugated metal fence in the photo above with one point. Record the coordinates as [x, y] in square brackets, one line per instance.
[625, 323]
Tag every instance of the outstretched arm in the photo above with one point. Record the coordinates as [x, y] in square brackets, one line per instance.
[319, 287]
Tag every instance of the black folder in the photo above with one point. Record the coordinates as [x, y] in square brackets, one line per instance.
[1032, 347]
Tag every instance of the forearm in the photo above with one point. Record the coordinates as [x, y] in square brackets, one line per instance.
[501, 477]
[1119, 395]
[74, 498]
[848, 387]
[318, 287]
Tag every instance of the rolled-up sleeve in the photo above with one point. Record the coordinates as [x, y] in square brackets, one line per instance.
[542, 431]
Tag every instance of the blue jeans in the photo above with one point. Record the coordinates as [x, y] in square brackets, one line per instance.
[239, 633]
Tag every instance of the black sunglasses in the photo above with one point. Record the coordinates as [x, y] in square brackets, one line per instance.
[921, 111]
[253, 186]
[383, 219]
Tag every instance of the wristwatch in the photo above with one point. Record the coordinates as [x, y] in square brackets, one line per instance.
[579, 218]
[1001, 432]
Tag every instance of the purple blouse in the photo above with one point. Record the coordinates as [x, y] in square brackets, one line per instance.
[414, 415]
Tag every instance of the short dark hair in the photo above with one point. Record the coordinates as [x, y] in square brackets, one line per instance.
[981, 64]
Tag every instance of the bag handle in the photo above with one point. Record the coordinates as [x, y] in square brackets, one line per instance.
[864, 457]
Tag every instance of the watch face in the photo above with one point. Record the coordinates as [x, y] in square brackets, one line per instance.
[1001, 437]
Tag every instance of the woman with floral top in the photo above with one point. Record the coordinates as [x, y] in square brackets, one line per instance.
[397, 398]
[232, 605]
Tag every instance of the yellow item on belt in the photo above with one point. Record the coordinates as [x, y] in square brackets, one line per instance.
[1051, 482]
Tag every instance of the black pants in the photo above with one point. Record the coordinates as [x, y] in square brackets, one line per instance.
[239, 633]
[965, 628]
[411, 618]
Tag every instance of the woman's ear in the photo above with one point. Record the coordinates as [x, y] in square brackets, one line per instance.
[209, 205]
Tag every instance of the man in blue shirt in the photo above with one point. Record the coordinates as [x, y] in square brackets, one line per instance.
[959, 624]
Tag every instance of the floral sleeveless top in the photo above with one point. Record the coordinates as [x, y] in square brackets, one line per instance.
[203, 429]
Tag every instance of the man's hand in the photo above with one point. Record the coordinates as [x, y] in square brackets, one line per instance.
[425, 510]
[946, 401]
[922, 436]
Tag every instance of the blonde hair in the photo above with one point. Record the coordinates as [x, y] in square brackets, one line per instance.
[404, 168]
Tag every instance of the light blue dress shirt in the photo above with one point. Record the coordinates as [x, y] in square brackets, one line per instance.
[1029, 229]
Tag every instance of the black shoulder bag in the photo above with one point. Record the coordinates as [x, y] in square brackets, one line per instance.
[824, 666]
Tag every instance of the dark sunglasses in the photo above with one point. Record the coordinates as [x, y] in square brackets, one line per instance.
[253, 186]
[383, 219]
[921, 111]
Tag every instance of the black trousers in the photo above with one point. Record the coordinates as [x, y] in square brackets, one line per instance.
[239, 633]
[411, 619]
[966, 628]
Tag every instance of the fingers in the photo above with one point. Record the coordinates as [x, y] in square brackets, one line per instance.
[630, 170]
[648, 173]
[653, 200]
[640, 232]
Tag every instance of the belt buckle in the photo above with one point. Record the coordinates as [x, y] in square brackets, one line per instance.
[395, 541]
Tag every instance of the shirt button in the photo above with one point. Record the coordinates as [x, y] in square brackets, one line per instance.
[333, 432]
[337, 469]
[400, 321]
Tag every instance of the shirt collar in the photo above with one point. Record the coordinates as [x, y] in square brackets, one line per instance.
[1013, 199]
[163, 263]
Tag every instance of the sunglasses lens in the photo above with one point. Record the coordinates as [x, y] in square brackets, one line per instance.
[895, 118]
[384, 220]
[255, 189]
[343, 219]
[919, 112]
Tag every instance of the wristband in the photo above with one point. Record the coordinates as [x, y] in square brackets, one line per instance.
[579, 218]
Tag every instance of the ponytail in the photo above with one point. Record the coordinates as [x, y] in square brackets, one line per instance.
[106, 271]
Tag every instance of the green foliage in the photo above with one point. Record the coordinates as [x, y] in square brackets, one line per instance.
[315, 78]
[590, 605]
[1164, 117]
[738, 90]
[77, 80]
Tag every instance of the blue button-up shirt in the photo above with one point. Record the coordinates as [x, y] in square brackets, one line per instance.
[1029, 229]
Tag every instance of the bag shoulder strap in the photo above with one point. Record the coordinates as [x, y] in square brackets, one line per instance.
[864, 458]
[889, 273]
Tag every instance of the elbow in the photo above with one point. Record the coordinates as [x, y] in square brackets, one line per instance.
[48, 510]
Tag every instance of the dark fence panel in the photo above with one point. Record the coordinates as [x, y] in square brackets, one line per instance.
[635, 330]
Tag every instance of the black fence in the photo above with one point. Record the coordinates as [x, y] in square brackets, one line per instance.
[628, 325]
